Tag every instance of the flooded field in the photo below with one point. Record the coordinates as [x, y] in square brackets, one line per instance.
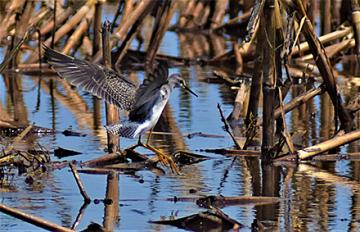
[321, 194]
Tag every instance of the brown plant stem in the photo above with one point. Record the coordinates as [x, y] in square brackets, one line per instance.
[304, 47]
[103, 160]
[80, 30]
[79, 183]
[48, 26]
[52, 44]
[325, 69]
[112, 112]
[256, 81]
[219, 14]
[328, 145]
[66, 28]
[97, 28]
[297, 101]
[227, 127]
[33, 219]
[15, 50]
[162, 20]
[269, 78]
[355, 6]
[9, 18]
[135, 14]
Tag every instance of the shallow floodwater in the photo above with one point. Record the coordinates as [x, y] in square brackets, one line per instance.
[314, 197]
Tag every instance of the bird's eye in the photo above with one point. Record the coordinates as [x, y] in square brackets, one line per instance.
[182, 83]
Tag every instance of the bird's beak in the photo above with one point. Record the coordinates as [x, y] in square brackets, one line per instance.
[189, 90]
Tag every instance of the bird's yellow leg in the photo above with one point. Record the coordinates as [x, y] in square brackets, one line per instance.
[148, 138]
[139, 143]
[164, 159]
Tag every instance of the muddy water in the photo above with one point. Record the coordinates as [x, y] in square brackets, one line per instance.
[314, 197]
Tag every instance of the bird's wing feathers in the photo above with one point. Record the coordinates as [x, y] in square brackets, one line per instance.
[151, 84]
[124, 129]
[148, 93]
[100, 81]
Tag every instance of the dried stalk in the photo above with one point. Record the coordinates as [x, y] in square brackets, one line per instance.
[33, 219]
[186, 15]
[131, 34]
[48, 26]
[103, 160]
[86, 46]
[233, 21]
[218, 16]
[40, 15]
[269, 77]
[80, 30]
[112, 112]
[97, 28]
[128, 8]
[162, 20]
[256, 81]
[326, 16]
[198, 16]
[239, 102]
[297, 101]
[120, 11]
[328, 145]
[227, 127]
[356, 23]
[52, 43]
[143, 6]
[127, 29]
[67, 27]
[14, 7]
[79, 183]
[38, 18]
[239, 59]
[14, 51]
[304, 47]
[325, 69]
[332, 50]
[255, 18]
[285, 131]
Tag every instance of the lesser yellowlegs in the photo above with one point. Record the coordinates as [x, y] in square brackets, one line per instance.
[145, 103]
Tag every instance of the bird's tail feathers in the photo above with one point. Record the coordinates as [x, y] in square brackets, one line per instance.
[127, 131]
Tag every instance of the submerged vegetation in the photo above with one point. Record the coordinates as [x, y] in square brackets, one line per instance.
[267, 56]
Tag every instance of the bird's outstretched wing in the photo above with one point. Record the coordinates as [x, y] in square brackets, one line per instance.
[98, 80]
[148, 93]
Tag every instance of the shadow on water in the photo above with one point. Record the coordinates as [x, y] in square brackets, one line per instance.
[316, 196]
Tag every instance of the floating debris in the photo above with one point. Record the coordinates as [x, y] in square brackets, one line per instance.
[211, 220]
[70, 132]
[62, 152]
[221, 201]
[187, 158]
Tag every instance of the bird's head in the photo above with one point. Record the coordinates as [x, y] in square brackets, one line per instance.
[175, 80]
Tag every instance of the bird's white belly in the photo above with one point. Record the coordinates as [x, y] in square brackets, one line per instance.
[150, 123]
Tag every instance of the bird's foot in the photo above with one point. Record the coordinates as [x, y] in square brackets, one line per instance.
[164, 159]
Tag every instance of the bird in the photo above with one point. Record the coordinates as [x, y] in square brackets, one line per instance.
[144, 103]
